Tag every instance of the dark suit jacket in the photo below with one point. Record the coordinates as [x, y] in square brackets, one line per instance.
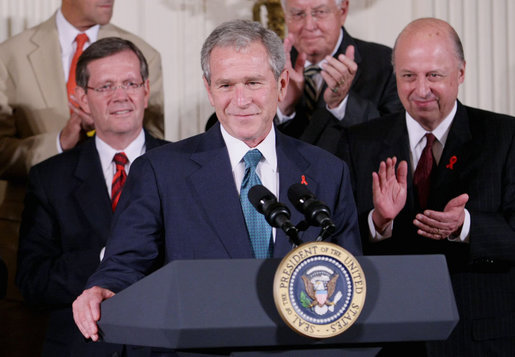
[65, 224]
[180, 202]
[373, 93]
[482, 272]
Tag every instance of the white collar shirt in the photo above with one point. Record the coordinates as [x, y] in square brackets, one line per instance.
[267, 169]
[67, 33]
[106, 153]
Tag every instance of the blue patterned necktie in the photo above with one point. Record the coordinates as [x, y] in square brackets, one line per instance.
[260, 231]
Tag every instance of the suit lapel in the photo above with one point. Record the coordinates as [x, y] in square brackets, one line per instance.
[292, 166]
[217, 194]
[396, 143]
[91, 194]
[457, 157]
[43, 60]
[346, 42]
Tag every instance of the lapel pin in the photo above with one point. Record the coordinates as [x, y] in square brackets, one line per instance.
[451, 163]
[303, 180]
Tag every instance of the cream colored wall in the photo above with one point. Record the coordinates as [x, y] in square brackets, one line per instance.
[177, 29]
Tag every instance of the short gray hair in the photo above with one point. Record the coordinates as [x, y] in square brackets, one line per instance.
[239, 34]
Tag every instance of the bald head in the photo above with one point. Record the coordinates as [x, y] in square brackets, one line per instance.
[429, 68]
[431, 28]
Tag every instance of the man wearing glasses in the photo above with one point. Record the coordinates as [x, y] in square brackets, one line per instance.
[335, 80]
[71, 197]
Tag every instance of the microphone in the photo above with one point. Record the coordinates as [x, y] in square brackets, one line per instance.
[276, 213]
[315, 212]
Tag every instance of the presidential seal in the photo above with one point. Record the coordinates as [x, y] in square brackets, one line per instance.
[319, 289]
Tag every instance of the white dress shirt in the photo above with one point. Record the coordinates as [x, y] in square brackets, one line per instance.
[106, 153]
[67, 33]
[266, 169]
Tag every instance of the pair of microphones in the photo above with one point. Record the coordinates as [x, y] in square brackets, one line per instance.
[277, 214]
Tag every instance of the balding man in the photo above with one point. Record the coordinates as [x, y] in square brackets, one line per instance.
[452, 192]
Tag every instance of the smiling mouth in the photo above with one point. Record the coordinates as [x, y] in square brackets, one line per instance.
[121, 112]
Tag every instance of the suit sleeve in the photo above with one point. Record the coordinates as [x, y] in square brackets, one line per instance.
[18, 153]
[492, 233]
[47, 273]
[134, 248]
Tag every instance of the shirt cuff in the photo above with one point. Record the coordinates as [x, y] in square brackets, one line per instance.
[374, 235]
[102, 252]
[58, 144]
[282, 118]
[464, 236]
[339, 111]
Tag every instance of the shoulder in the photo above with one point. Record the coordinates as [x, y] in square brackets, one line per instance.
[370, 50]
[319, 160]
[60, 165]
[376, 127]
[490, 119]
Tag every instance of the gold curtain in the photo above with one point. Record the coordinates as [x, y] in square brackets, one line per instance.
[275, 15]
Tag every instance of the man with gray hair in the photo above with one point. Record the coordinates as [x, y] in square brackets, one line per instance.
[336, 81]
[182, 201]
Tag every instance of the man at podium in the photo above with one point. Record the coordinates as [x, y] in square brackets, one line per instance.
[182, 201]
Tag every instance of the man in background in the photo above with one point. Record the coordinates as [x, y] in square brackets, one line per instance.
[335, 80]
[71, 197]
[39, 117]
[452, 193]
[188, 200]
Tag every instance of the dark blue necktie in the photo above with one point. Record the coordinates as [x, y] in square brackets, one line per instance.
[260, 231]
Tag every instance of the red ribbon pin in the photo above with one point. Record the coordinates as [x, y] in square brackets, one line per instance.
[303, 180]
[451, 163]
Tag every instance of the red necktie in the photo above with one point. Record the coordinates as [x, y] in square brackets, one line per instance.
[81, 39]
[120, 160]
[422, 176]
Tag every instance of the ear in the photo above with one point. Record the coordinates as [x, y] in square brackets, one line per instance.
[344, 11]
[282, 84]
[461, 76]
[82, 97]
[146, 88]
[208, 89]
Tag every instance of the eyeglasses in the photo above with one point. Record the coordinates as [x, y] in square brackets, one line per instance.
[316, 14]
[108, 89]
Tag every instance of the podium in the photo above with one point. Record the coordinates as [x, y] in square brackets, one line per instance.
[228, 304]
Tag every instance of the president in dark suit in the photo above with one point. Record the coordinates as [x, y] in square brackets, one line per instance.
[352, 81]
[452, 193]
[182, 201]
[68, 207]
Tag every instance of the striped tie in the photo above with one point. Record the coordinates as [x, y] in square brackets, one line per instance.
[120, 160]
[310, 87]
[260, 231]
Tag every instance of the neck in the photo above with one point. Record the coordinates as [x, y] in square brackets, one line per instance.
[79, 23]
[118, 141]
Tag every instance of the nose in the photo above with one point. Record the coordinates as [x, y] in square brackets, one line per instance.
[242, 96]
[309, 21]
[119, 93]
[422, 87]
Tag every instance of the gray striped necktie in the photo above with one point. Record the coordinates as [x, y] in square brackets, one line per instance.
[310, 87]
